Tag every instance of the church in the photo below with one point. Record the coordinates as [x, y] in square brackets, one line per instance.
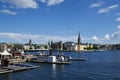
[79, 46]
[70, 46]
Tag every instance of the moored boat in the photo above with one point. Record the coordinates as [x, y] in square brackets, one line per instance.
[53, 59]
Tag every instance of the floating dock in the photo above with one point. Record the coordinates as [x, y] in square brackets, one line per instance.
[3, 71]
[77, 59]
[16, 67]
[40, 61]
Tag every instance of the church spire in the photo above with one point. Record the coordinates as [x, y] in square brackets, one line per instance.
[79, 41]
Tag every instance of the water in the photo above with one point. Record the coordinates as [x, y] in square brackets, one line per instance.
[104, 65]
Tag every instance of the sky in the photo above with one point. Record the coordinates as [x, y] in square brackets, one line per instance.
[98, 21]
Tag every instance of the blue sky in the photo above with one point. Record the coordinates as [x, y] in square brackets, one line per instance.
[98, 21]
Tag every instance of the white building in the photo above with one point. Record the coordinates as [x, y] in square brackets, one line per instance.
[69, 46]
[82, 47]
[79, 46]
[27, 47]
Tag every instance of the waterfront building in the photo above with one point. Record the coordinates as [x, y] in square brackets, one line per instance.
[68, 46]
[79, 46]
[79, 42]
[83, 46]
[28, 47]
[57, 46]
[42, 47]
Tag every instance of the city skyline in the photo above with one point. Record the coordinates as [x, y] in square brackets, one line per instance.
[98, 21]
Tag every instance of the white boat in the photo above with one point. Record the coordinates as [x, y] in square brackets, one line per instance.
[53, 59]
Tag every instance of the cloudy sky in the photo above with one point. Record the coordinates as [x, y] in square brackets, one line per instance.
[98, 21]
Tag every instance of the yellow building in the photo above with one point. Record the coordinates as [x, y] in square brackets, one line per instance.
[80, 46]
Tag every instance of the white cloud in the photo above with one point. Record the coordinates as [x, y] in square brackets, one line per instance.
[6, 11]
[52, 2]
[118, 28]
[118, 19]
[36, 38]
[95, 38]
[116, 34]
[94, 5]
[107, 37]
[23, 38]
[22, 3]
[108, 9]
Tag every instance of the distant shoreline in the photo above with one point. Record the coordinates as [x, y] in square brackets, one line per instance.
[63, 50]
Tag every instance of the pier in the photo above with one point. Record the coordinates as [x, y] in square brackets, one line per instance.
[46, 62]
[16, 68]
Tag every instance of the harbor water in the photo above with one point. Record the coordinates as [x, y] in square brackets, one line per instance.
[99, 65]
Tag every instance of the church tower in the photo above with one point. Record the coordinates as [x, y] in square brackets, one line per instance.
[79, 41]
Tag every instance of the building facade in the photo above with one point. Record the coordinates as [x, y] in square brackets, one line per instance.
[68, 46]
[57, 46]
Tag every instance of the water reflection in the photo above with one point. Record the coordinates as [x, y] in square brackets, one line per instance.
[4, 77]
[57, 70]
[53, 70]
